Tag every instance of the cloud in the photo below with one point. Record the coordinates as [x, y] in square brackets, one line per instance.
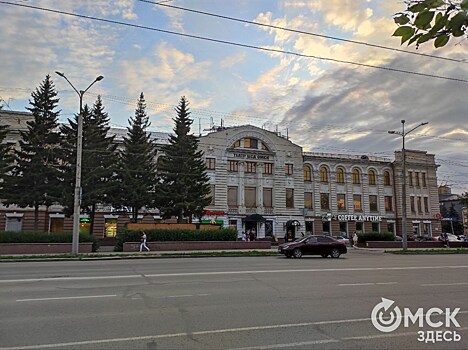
[231, 61]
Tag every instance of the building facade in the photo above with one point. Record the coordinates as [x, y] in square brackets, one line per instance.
[261, 181]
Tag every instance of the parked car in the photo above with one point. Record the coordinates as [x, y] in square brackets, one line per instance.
[313, 245]
[450, 238]
[343, 239]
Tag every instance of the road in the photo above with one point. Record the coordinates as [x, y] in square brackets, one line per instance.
[228, 302]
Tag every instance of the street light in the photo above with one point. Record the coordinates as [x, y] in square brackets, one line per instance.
[79, 151]
[403, 186]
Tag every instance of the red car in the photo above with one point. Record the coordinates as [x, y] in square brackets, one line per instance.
[313, 245]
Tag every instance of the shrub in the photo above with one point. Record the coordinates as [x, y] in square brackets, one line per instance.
[45, 237]
[176, 235]
[375, 236]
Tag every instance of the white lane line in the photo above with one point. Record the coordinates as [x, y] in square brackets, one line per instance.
[366, 284]
[247, 272]
[66, 298]
[288, 345]
[444, 284]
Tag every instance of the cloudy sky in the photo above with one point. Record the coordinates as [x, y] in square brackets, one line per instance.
[296, 83]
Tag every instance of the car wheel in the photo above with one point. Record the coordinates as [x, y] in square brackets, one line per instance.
[324, 255]
[297, 253]
[335, 253]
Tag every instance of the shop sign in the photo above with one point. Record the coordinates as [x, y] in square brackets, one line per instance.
[214, 212]
[352, 217]
[251, 156]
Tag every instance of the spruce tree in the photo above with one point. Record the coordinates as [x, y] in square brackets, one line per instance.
[184, 188]
[6, 157]
[36, 174]
[137, 168]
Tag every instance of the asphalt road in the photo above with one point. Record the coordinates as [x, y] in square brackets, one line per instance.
[229, 302]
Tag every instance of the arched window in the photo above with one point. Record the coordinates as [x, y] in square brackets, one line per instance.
[307, 173]
[340, 175]
[386, 178]
[371, 177]
[356, 176]
[323, 174]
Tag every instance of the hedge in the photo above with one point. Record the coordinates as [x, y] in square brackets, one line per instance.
[45, 237]
[176, 235]
[375, 236]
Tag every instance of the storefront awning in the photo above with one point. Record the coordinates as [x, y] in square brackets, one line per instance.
[293, 223]
[254, 218]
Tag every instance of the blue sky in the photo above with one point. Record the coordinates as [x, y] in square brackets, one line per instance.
[323, 106]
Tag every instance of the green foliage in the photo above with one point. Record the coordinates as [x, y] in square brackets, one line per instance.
[176, 235]
[44, 237]
[375, 236]
[184, 189]
[432, 20]
[137, 168]
[6, 157]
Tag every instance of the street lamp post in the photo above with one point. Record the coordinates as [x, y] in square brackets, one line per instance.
[79, 151]
[403, 186]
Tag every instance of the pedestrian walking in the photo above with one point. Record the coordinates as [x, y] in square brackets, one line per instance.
[355, 240]
[244, 236]
[143, 242]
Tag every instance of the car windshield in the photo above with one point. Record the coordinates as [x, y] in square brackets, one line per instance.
[302, 239]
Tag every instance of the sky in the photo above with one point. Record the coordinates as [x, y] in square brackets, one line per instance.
[315, 86]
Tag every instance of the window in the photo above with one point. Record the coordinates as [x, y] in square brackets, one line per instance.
[356, 176]
[268, 197]
[267, 168]
[373, 206]
[289, 198]
[307, 173]
[357, 204]
[250, 197]
[419, 202]
[412, 204]
[211, 163]
[236, 144]
[308, 200]
[250, 167]
[212, 194]
[375, 227]
[416, 178]
[343, 228]
[110, 227]
[386, 178]
[410, 178]
[388, 203]
[371, 177]
[325, 201]
[265, 147]
[359, 227]
[341, 201]
[233, 165]
[423, 178]
[250, 143]
[56, 225]
[288, 169]
[232, 197]
[323, 174]
[340, 175]
[426, 204]
[391, 227]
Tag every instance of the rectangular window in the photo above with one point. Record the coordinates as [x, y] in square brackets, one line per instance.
[250, 143]
[267, 168]
[56, 225]
[325, 201]
[423, 178]
[426, 204]
[341, 201]
[211, 163]
[418, 200]
[388, 203]
[410, 178]
[233, 165]
[232, 197]
[416, 178]
[413, 209]
[250, 197]
[357, 204]
[375, 227]
[391, 227]
[308, 200]
[373, 206]
[268, 197]
[359, 227]
[250, 167]
[289, 198]
[288, 169]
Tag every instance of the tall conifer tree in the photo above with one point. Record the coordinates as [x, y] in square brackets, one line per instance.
[36, 175]
[6, 157]
[184, 189]
[137, 169]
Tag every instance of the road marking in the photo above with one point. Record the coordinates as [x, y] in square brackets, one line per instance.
[288, 345]
[66, 298]
[215, 273]
[186, 295]
[207, 332]
[366, 284]
[445, 284]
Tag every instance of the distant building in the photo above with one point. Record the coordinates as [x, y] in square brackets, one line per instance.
[447, 199]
